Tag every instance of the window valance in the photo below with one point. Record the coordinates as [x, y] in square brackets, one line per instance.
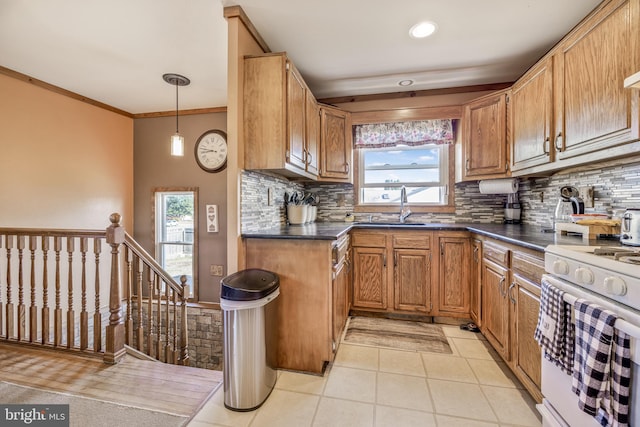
[381, 135]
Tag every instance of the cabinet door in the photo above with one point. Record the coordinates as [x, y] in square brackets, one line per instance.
[531, 113]
[593, 109]
[412, 281]
[313, 134]
[495, 306]
[485, 145]
[476, 282]
[335, 144]
[454, 285]
[340, 307]
[525, 352]
[296, 129]
[369, 278]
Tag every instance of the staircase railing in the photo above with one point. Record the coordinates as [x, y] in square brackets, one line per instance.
[47, 298]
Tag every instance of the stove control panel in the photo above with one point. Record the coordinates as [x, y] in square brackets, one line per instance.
[608, 283]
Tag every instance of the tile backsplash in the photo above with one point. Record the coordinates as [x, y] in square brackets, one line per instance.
[614, 187]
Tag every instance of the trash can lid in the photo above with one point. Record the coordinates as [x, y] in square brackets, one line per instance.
[248, 285]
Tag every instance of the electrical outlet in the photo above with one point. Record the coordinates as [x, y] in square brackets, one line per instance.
[216, 270]
[586, 194]
[270, 196]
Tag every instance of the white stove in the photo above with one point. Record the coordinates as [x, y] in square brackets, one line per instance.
[612, 272]
[608, 276]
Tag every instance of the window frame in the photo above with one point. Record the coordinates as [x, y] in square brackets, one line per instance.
[448, 207]
[154, 231]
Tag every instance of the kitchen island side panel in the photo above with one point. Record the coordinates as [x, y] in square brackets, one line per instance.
[304, 319]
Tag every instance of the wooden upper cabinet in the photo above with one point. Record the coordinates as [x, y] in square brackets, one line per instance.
[593, 110]
[335, 145]
[531, 117]
[281, 118]
[313, 134]
[485, 153]
[296, 119]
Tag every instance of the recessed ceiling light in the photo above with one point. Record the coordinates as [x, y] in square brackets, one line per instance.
[405, 82]
[423, 29]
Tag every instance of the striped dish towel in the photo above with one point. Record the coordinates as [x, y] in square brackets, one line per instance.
[602, 366]
[555, 331]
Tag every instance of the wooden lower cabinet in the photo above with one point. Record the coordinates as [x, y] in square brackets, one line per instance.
[454, 283]
[510, 280]
[495, 306]
[340, 301]
[305, 312]
[475, 307]
[370, 278]
[525, 352]
[412, 280]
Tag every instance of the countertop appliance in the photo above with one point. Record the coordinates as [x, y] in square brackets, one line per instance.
[630, 228]
[610, 278]
[569, 203]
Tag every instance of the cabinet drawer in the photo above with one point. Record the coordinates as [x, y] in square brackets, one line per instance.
[496, 253]
[420, 240]
[371, 240]
[528, 266]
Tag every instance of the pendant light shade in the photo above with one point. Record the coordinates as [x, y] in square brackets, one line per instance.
[177, 141]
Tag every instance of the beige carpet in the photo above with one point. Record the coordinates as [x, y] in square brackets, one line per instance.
[397, 334]
[85, 412]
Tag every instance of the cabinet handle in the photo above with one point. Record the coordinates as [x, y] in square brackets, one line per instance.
[395, 259]
[501, 287]
[347, 167]
[558, 139]
[309, 157]
[545, 145]
[466, 165]
[442, 249]
[475, 254]
[384, 260]
[513, 300]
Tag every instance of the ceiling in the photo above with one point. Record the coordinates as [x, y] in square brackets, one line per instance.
[116, 52]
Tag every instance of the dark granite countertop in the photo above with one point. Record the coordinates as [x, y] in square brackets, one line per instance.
[528, 236]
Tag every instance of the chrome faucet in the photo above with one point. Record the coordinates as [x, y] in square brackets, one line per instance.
[404, 210]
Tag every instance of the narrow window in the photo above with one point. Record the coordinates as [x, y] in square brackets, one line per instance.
[176, 233]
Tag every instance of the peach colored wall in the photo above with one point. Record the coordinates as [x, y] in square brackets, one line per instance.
[63, 163]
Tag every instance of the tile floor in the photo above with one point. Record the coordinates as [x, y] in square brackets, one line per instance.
[370, 386]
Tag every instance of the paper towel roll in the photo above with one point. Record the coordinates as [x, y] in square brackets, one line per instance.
[499, 186]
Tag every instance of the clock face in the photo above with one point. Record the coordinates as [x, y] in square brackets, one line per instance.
[211, 150]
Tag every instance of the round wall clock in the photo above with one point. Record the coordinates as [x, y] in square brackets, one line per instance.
[211, 150]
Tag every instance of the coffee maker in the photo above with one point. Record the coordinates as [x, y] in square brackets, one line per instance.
[512, 209]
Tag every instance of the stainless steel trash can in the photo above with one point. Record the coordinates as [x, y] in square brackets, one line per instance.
[249, 304]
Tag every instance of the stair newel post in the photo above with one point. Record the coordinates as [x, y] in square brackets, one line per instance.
[184, 337]
[115, 350]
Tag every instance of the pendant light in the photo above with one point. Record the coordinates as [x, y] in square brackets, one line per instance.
[177, 140]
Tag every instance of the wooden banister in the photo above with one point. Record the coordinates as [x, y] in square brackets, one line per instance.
[155, 320]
